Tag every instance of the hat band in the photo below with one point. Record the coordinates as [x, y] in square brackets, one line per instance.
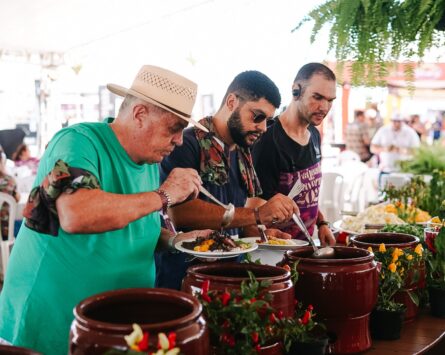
[172, 109]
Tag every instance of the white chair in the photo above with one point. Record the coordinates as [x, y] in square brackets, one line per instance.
[330, 199]
[6, 245]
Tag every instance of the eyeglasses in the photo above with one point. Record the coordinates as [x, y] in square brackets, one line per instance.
[257, 117]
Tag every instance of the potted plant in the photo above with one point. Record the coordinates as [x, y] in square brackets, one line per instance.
[302, 334]
[240, 321]
[395, 266]
[138, 342]
[372, 34]
[435, 241]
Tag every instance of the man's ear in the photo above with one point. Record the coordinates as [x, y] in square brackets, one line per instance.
[232, 101]
[139, 114]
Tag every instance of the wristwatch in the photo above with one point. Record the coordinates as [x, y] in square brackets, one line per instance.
[322, 223]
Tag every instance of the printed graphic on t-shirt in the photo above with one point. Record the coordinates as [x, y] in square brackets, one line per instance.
[308, 181]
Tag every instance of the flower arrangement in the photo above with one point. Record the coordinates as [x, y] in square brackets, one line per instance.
[240, 321]
[139, 343]
[435, 241]
[397, 266]
[301, 329]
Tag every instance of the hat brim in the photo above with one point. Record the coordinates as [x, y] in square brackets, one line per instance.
[121, 91]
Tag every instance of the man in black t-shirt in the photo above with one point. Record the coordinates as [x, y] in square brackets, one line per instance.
[287, 157]
[223, 160]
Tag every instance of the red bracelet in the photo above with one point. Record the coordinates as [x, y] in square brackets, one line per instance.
[165, 198]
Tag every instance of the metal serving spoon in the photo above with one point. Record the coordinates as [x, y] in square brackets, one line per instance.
[322, 253]
[230, 208]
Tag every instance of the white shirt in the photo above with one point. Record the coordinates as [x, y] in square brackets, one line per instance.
[386, 136]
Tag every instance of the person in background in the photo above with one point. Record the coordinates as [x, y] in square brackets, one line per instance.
[7, 186]
[357, 136]
[417, 125]
[22, 157]
[92, 221]
[394, 142]
[287, 158]
[436, 127]
[222, 159]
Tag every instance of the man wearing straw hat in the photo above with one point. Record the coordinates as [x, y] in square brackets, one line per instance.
[92, 221]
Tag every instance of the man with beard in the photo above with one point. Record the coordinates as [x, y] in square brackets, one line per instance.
[223, 160]
[287, 158]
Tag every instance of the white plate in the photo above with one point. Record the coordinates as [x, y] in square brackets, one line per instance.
[215, 254]
[296, 243]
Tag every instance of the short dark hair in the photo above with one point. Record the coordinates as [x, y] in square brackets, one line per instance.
[308, 70]
[253, 85]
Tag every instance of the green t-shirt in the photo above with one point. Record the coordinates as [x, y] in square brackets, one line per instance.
[48, 276]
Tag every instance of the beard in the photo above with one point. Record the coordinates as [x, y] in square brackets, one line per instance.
[237, 131]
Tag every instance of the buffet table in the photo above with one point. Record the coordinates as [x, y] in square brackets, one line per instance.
[425, 335]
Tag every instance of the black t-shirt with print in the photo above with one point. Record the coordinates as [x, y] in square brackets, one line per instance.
[277, 153]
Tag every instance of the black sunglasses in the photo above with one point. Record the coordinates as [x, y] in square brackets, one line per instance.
[259, 117]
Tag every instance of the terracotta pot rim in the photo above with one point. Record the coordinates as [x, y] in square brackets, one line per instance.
[360, 259]
[150, 293]
[356, 240]
[196, 271]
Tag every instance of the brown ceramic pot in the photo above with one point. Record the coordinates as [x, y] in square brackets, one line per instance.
[230, 275]
[102, 321]
[401, 241]
[343, 291]
[15, 350]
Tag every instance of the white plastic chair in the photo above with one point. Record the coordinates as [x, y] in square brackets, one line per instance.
[6, 245]
[330, 199]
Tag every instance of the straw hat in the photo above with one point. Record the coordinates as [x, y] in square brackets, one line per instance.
[165, 89]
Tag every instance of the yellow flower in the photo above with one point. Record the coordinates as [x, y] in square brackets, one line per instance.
[409, 257]
[370, 249]
[418, 249]
[392, 267]
[382, 248]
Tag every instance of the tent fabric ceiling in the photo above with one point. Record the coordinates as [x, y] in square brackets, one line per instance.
[62, 25]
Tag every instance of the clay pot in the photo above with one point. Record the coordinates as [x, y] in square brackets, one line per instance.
[343, 291]
[401, 241]
[15, 350]
[230, 275]
[102, 321]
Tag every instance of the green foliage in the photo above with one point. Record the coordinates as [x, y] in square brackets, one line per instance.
[425, 159]
[375, 33]
[436, 259]
[411, 229]
[302, 328]
[239, 320]
[429, 197]
[396, 267]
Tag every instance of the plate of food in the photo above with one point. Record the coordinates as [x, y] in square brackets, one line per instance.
[217, 245]
[276, 243]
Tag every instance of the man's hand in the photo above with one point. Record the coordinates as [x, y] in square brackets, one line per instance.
[277, 210]
[276, 233]
[182, 184]
[325, 235]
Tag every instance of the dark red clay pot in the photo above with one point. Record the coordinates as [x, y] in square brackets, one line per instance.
[102, 321]
[15, 350]
[401, 241]
[230, 275]
[343, 291]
